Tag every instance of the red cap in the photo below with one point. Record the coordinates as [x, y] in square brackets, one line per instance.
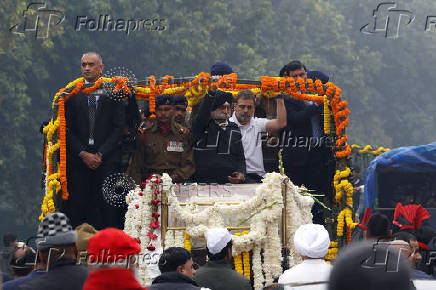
[110, 245]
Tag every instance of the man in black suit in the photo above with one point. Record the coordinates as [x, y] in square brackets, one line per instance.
[218, 152]
[94, 133]
[306, 158]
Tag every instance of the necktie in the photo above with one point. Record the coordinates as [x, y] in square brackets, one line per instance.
[92, 109]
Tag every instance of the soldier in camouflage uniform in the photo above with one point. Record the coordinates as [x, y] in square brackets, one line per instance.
[163, 146]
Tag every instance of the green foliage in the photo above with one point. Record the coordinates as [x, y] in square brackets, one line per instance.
[387, 82]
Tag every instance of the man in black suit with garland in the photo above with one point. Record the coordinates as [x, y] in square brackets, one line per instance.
[94, 132]
[307, 160]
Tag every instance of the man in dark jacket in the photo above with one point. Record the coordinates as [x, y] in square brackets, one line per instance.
[56, 244]
[219, 155]
[175, 264]
[306, 158]
[95, 125]
[218, 274]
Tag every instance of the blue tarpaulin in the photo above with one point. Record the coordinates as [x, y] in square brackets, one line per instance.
[413, 159]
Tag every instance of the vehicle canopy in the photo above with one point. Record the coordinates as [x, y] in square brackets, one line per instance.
[405, 174]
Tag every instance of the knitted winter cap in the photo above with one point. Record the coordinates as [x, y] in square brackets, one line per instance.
[55, 230]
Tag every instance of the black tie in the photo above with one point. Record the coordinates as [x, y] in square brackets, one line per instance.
[92, 109]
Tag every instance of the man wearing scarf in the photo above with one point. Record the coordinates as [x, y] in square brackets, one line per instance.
[219, 155]
[163, 146]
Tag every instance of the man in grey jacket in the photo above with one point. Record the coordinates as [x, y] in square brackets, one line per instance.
[218, 274]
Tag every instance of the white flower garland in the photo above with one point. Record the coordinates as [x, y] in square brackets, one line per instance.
[298, 213]
[262, 213]
[265, 209]
[137, 225]
[256, 263]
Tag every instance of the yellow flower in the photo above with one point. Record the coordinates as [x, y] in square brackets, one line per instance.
[187, 243]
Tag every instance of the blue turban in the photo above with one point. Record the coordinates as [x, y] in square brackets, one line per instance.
[180, 100]
[220, 69]
[164, 100]
[220, 98]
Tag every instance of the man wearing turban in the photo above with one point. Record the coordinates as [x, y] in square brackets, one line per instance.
[218, 151]
[311, 242]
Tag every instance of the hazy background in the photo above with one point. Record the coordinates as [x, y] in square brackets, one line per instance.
[388, 81]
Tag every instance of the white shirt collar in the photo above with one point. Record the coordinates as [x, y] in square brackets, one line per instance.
[86, 82]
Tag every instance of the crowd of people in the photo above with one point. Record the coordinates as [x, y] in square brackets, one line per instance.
[220, 140]
[390, 255]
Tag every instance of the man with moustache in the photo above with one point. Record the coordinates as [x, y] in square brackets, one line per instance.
[218, 151]
[252, 129]
[163, 147]
[94, 133]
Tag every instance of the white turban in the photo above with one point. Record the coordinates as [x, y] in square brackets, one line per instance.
[312, 241]
[217, 239]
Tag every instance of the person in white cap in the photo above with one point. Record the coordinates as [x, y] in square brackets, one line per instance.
[311, 242]
[218, 274]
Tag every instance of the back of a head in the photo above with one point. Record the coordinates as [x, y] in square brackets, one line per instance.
[218, 243]
[112, 246]
[172, 258]
[222, 254]
[370, 266]
[378, 226]
[404, 236]
[312, 241]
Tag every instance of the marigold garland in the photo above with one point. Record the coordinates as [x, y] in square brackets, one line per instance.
[345, 217]
[56, 182]
[242, 260]
[246, 261]
[367, 149]
[269, 87]
[326, 115]
[237, 260]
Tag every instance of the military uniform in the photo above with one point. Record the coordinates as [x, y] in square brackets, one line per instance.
[159, 152]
